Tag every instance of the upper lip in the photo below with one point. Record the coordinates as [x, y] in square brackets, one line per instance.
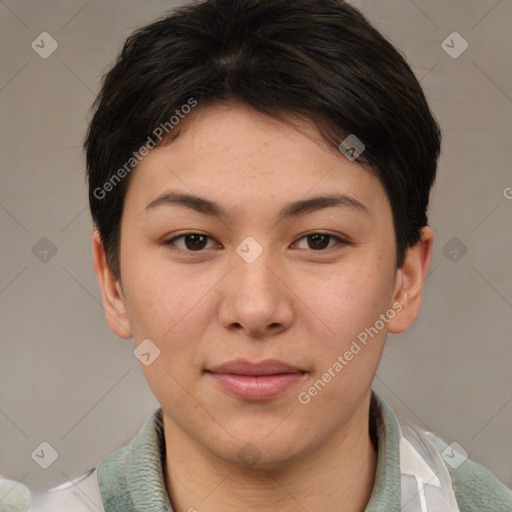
[265, 367]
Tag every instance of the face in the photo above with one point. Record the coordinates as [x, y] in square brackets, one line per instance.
[256, 271]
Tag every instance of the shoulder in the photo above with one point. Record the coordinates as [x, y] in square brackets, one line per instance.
[79, 495]
[476, 488]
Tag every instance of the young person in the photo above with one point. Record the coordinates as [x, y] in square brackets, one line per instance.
[259, 175]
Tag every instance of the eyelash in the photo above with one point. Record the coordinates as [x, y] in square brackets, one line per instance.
[169, 243]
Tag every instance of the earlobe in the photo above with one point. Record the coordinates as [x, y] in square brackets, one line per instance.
[111, 291]
[410, 281]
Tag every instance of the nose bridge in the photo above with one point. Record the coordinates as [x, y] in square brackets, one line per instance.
[253, 267]
[256, 298]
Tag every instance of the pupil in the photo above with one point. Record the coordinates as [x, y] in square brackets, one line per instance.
[194, 239]
[316, 238]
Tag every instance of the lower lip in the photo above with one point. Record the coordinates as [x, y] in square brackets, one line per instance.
[257, 387]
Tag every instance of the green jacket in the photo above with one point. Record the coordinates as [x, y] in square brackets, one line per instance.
[131, 479]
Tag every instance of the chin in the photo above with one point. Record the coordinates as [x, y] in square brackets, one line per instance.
[258, 452]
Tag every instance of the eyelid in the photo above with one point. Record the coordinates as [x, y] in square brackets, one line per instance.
[341, 240]
[169, 242]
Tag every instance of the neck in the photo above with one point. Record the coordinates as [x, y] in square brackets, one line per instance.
[342, 471]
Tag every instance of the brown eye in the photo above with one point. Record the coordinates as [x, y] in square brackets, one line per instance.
[193, 242]
[320, 241]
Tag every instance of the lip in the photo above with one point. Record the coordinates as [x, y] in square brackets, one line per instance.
[255, 381]
[245, 367]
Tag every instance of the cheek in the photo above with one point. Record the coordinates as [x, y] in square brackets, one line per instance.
[173, 312]
[347, 302]
[344, 312]
[170, 308]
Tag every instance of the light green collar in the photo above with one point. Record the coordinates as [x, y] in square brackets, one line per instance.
[132, 478]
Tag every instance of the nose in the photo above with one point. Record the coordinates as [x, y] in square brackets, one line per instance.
[255, 297]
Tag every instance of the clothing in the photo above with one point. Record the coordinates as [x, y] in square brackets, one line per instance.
[14, 496]
[410, 475]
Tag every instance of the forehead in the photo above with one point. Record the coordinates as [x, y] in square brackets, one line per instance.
[243, 159]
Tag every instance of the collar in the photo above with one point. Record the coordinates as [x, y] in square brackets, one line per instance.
[132, 478]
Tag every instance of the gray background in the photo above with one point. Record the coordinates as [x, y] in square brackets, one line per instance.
[66, 379]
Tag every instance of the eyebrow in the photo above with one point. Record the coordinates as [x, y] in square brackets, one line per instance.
[293, 209]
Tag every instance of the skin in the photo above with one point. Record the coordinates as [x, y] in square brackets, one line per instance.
[203, 305]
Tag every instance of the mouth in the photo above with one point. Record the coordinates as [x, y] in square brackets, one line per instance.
[256, 381]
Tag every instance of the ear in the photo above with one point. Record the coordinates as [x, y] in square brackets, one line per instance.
[111, 291]
[409, 282]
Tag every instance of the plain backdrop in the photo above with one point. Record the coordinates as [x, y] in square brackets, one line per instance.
[67, 380]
